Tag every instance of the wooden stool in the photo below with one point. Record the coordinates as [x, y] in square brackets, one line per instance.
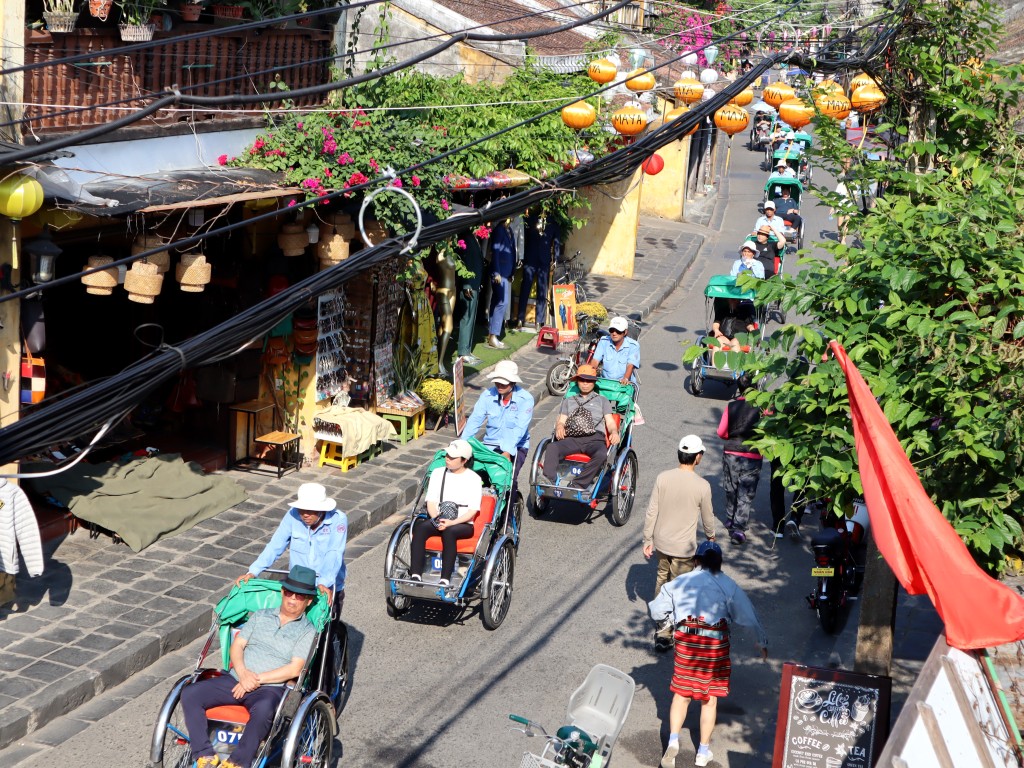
[409, 424]
[284, 442]
[330, 454]
[547, 337]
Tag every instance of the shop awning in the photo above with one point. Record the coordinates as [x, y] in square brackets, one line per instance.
[182, 189]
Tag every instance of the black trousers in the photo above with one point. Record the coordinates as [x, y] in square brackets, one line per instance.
[592, 445]
[422, 530]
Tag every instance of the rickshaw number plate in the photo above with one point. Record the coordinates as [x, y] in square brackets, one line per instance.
[435, 563]
[823, 572]
[229, 737]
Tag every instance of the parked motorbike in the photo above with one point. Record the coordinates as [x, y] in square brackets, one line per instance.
[837, 567]
[561, 373]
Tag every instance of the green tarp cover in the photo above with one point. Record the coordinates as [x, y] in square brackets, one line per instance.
[497, 467]
[774, 182]
[255, 595]
[144, 500]
[724, 287]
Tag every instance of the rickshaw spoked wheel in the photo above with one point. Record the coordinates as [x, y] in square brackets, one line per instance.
[177, 751]
[558, 378]
[624, 490]
[697, 378]
[494, 609]
[399, 604]
[314, 740]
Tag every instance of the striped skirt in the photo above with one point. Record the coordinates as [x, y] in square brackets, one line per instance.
[702, 666]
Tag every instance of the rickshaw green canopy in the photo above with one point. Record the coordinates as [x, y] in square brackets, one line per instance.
[497, 467]
[724, 287]
[805, 139]
[773, 188]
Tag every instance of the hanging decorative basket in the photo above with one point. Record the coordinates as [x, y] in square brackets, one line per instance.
[293, 240]
[143, 282]
[100, 283]
[333, 248]
[191, 11]
[137, 33]
[375, 232]
[100, 9]
[60, 22]
[148, 242]
[193, 272]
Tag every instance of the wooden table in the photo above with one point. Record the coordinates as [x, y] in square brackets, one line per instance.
[252, 409]
[410, 424]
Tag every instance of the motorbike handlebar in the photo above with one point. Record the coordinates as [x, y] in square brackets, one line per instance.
[518, 719]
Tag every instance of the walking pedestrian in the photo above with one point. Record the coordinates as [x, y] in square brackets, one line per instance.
[681, 498]
[742, 464]
[701, 606]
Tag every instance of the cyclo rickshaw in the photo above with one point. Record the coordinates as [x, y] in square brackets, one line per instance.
[618, 476]
[792, 154]
[773, 190]
[485, 562]
[306, 719]
[713, 361]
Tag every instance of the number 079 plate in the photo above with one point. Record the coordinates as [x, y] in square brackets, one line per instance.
[819, 572]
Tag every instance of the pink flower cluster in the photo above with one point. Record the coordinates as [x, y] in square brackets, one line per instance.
[483, 232]
[315, 187]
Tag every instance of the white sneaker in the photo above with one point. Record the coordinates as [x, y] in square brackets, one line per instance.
[792, 530]
[668, 760]
[703, 758]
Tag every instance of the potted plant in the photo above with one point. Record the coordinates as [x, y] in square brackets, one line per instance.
[227, 10]
[60, 15]
[100, 9]
[135, 22]
[261, 10]
[190, 10]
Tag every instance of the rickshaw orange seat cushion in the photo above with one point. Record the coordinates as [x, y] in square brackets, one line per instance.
[228, 713]
[581, 457]
[468, 546]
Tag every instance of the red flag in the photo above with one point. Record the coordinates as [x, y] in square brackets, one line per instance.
[917, 542]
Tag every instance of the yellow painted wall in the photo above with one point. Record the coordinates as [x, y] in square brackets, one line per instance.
[473, 64]
[664, 194]
[607, 242]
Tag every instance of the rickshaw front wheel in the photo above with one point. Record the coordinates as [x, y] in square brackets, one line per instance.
[558, 378]
[624, 490]
[397, 566]
[697, 379]
[494, 608]
[310, 737]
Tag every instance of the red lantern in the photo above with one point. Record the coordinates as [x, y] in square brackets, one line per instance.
[732, 119]
[629, 121]
[796, 112]
[778, 93]
[689, 91]
[579, 116]
[653, 165]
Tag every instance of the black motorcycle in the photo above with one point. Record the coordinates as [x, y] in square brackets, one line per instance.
[838, 561]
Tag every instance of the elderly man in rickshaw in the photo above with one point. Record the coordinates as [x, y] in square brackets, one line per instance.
[584, 421]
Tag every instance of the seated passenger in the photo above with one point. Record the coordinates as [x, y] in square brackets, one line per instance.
[765, 250]
[783, 169]
[583, 422]
[270, 650]
[776, 223]
[454, 493]
[732, 317]
[788, 208]
[747, 262]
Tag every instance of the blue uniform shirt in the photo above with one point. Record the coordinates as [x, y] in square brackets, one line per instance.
[323, 550]
[508, 426]
[614, 361]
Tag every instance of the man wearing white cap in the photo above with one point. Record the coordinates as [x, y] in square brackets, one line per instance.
[775, 222]
[680, 500]
[508, 410]
[617, 354]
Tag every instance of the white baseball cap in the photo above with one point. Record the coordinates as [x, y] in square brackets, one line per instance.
[460, 449]
[769, 204]
[619, 324]
[691, 444]
[505, 372]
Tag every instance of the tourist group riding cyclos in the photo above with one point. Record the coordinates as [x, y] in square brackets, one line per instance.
[485, 562]
[735, 313]
[793, 154]
[616, 480]
[306, 718]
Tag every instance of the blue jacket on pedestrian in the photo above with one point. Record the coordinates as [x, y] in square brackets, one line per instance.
[503, 251]
[508, 426]
[323, 550]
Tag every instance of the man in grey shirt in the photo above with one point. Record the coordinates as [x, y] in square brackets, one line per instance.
[271, 649]
[583, 421]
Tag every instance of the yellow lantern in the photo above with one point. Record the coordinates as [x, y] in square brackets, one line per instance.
[867, 99]
[629, 121]
[639, 80]
[689, 90]
[20, 196]
[579, 115]
[828, 88]
[602, 71]
[796, 112]
[743, 98]
[678, 112]
[778, 93]
[862, 79]
[836, 106]
[732, 119]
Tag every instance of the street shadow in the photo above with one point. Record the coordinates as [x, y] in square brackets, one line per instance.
[675, 329]
[55, 583]
[666, 366]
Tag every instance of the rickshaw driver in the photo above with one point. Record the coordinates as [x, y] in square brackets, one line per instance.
[270, 650]
[788, 208]
[508, 410]
[617, 354]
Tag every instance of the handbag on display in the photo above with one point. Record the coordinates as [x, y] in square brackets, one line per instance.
[33, 378]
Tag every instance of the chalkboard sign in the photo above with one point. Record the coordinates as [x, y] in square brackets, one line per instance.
[829, 718]
[459, 380]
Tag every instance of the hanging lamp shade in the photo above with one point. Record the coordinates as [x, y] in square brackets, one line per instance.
[732, 119]
[678, 112]
[867, 99]
[796, 112]
[653, 165]
[100, 283]
[20, 196]
[602, 71]
[708, 76]
[293, 239]
[145, 242]
[836, 106]
[579, 116]
[193, 272]
[744, 97]
[143, 282]
[778, 93]
[689, 91]
[639, 80]
[629, 121]
[862, 79]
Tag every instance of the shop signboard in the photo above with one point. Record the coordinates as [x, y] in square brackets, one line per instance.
[830, 718]
[459, 392]
[565, 311]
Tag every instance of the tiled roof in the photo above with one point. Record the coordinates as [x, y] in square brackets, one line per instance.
[492, 12]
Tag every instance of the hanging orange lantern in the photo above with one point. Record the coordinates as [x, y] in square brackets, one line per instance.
[679, 112]
[867, 99]
[796, 112]
[639, 80]
[629, 121]
[836, 106]
[862, 79]
[653, 165]
[20, 196]
[778, 93]
[602, 71]
[579, 115]
[828, 88]
[732, 119]
[689, 91]
[743, 98]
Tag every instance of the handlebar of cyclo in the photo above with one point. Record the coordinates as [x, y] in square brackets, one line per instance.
[586, 742]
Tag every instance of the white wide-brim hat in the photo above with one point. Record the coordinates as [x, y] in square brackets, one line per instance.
[506, 372]
[313, 497]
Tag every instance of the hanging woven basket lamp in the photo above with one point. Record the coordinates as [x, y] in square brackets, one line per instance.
[146, 242]
[100, 283]
[293, 240]
[143, 282]
[193, 272]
